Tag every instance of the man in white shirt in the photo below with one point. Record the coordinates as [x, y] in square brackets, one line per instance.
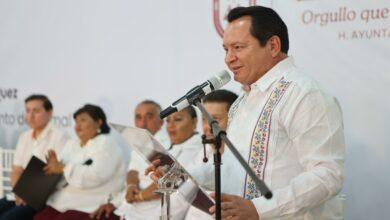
[147, 116]
[41, 137]
[287, 128]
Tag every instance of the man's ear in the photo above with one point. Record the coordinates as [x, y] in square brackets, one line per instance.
[275, 46]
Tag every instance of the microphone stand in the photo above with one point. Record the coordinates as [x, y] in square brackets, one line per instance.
[220, 135]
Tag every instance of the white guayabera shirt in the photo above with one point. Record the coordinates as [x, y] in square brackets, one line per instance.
[50, 138]
[291, 133]
[27, 146]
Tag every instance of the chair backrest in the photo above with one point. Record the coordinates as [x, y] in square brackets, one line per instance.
[6, 161]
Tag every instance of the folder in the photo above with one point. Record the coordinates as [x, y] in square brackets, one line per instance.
[34, 186]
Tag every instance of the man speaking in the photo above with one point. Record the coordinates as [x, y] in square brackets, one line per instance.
[287, 127]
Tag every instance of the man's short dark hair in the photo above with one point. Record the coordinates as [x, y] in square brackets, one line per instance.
[265, 24]
[221, 95]
[151, 102]
[96, 113]
[46, 102]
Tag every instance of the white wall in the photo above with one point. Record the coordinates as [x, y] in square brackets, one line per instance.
[117, 53]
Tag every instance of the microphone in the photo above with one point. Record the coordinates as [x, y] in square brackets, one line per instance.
[197, 92]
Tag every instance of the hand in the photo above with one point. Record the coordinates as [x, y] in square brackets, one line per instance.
[106, 210]
[19, 201]
[53, 165]
[236, 208]
[131, 193]
[155, 170]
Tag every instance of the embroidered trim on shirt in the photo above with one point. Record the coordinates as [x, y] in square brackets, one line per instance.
[233, 109]
[259, 144]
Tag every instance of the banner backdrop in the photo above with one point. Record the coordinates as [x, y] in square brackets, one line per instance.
[117, 53]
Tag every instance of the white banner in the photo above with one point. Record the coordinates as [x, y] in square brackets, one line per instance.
[117, 53]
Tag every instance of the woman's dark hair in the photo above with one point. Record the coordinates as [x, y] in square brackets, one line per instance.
[46, 102]
[96, 114]
[265, 24]
[191, 111]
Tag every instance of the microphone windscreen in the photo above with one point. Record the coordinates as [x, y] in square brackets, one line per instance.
[220, 79]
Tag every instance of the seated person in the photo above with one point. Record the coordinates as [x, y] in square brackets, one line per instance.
[92, 165]
[217, 104]
[41, 137]
[140, 201]
[147, 116]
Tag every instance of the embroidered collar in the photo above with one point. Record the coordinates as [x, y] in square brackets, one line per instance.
[264, 83]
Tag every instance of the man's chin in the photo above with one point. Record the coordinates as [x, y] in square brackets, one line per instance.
[239, 80]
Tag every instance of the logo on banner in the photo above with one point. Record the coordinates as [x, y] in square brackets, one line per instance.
[221, 9]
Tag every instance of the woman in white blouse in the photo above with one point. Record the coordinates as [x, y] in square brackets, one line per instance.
[186, 143]
[92, 166]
